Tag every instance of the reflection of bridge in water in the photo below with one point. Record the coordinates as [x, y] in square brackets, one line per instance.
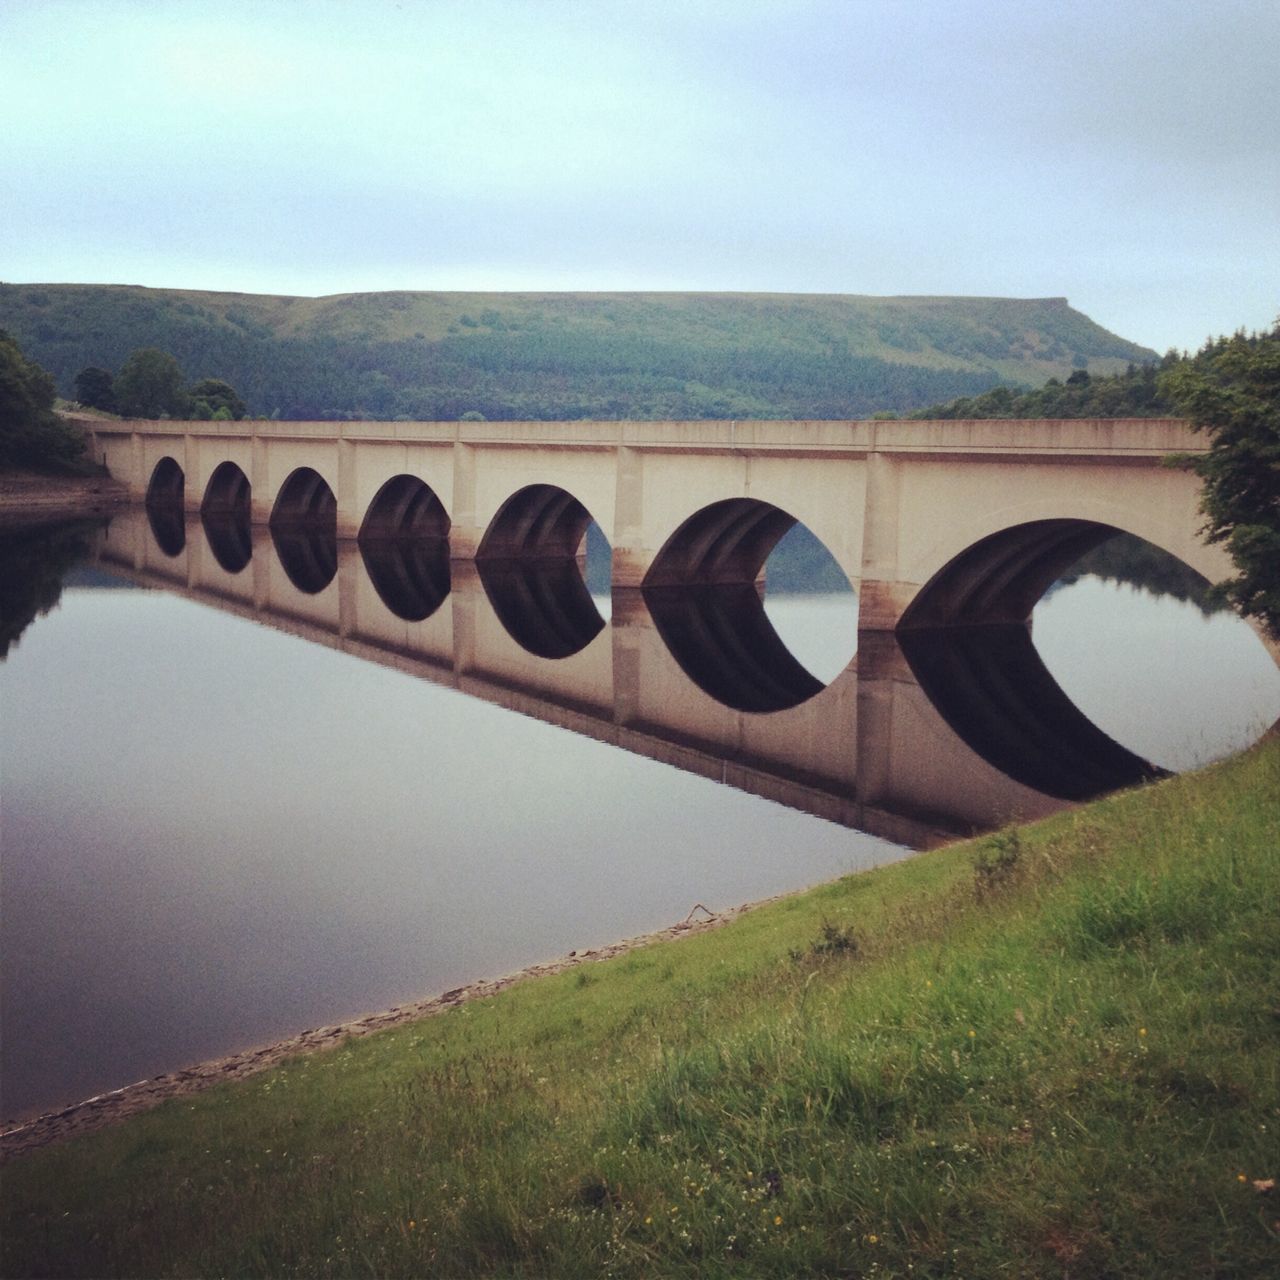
[921, 738]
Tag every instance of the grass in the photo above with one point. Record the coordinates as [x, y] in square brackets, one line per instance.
[1052, 1052]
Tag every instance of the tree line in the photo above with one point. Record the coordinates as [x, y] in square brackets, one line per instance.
[151, 384]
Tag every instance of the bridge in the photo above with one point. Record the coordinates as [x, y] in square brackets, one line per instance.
[937, 524]
[874, 750]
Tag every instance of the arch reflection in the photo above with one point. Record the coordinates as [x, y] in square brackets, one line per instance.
[168, 527]
[722, 639]
[308, 555]
[991, 687]
[230, 537]
[543, 604]
[410, 575]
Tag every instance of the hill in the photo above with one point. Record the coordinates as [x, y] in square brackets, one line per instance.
[568, 355]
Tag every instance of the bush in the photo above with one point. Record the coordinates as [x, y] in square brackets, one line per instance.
[31, 434]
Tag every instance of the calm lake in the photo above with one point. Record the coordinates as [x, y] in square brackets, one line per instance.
[248, 798]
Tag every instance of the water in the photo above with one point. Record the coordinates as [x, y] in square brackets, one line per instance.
[241, 809]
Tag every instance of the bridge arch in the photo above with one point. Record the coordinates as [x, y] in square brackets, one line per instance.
[227, 491]
[305, 498]
[165, 488]
[538, 522]
[999, 578]
[725, 542]
[405, 507]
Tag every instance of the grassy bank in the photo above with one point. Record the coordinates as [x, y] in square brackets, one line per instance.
[1053, 1052]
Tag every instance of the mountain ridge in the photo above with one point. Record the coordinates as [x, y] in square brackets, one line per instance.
[562, 354]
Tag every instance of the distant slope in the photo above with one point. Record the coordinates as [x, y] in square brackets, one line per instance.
[568, 355]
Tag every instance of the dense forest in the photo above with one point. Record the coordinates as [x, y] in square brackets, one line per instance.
[562, 356]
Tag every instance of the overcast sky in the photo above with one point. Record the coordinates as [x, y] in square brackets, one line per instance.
[1124, 154]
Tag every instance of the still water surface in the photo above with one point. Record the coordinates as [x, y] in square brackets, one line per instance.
[217, 833]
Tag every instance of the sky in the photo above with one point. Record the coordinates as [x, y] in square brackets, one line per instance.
[1123, 155]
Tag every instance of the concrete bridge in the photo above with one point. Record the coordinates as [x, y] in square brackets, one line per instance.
[936, 524]
[873, 750]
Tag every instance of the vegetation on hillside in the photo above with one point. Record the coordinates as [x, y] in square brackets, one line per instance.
[1051, 1052]
[1231, 390]
[559, 356]
[31, 434]
[1133, 393]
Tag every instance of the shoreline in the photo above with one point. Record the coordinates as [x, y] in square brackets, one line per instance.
[29, 497]
[103, 1109]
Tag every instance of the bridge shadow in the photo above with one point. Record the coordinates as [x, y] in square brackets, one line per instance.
[990, 685]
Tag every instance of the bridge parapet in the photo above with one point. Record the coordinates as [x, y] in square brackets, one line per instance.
[895, 501]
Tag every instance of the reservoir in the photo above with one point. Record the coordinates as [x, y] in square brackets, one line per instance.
[253, 786]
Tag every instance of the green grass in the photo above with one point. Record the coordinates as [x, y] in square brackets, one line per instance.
[1052, 1052]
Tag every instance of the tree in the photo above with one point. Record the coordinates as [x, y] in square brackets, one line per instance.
[31, 434]
[209, 396]
[95, 390]
[1231, 389]
[150, 385]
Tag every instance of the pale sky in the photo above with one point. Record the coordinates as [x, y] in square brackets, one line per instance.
[1125, 155]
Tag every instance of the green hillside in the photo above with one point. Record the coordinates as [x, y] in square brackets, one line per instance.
[568, 355]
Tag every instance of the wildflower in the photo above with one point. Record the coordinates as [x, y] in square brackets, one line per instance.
[1142, 1031]
[873, 1239]
[972, 1033]
[777, 1222]
[648, 1221]
[1241, 1178]
[412, 1224]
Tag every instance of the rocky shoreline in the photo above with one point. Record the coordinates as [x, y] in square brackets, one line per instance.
[27, 497]
[118, 1104]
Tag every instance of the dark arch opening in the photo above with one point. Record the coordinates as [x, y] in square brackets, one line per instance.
[726, 542]
[166, 486]
[1000, 578]
[405, 507]
[230, 537]
[227, 491]
[539, 522]
[530, 563]
[305, 500]
[410, 575]
[704, 591]
[308, 554]
[967, 638]
[404, 544]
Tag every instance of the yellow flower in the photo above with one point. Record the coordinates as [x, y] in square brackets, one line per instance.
[1241, 1178]
[972, 1033]
[777, 1222]
[647, 1221]
[873, 1239]
[412, 1224]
